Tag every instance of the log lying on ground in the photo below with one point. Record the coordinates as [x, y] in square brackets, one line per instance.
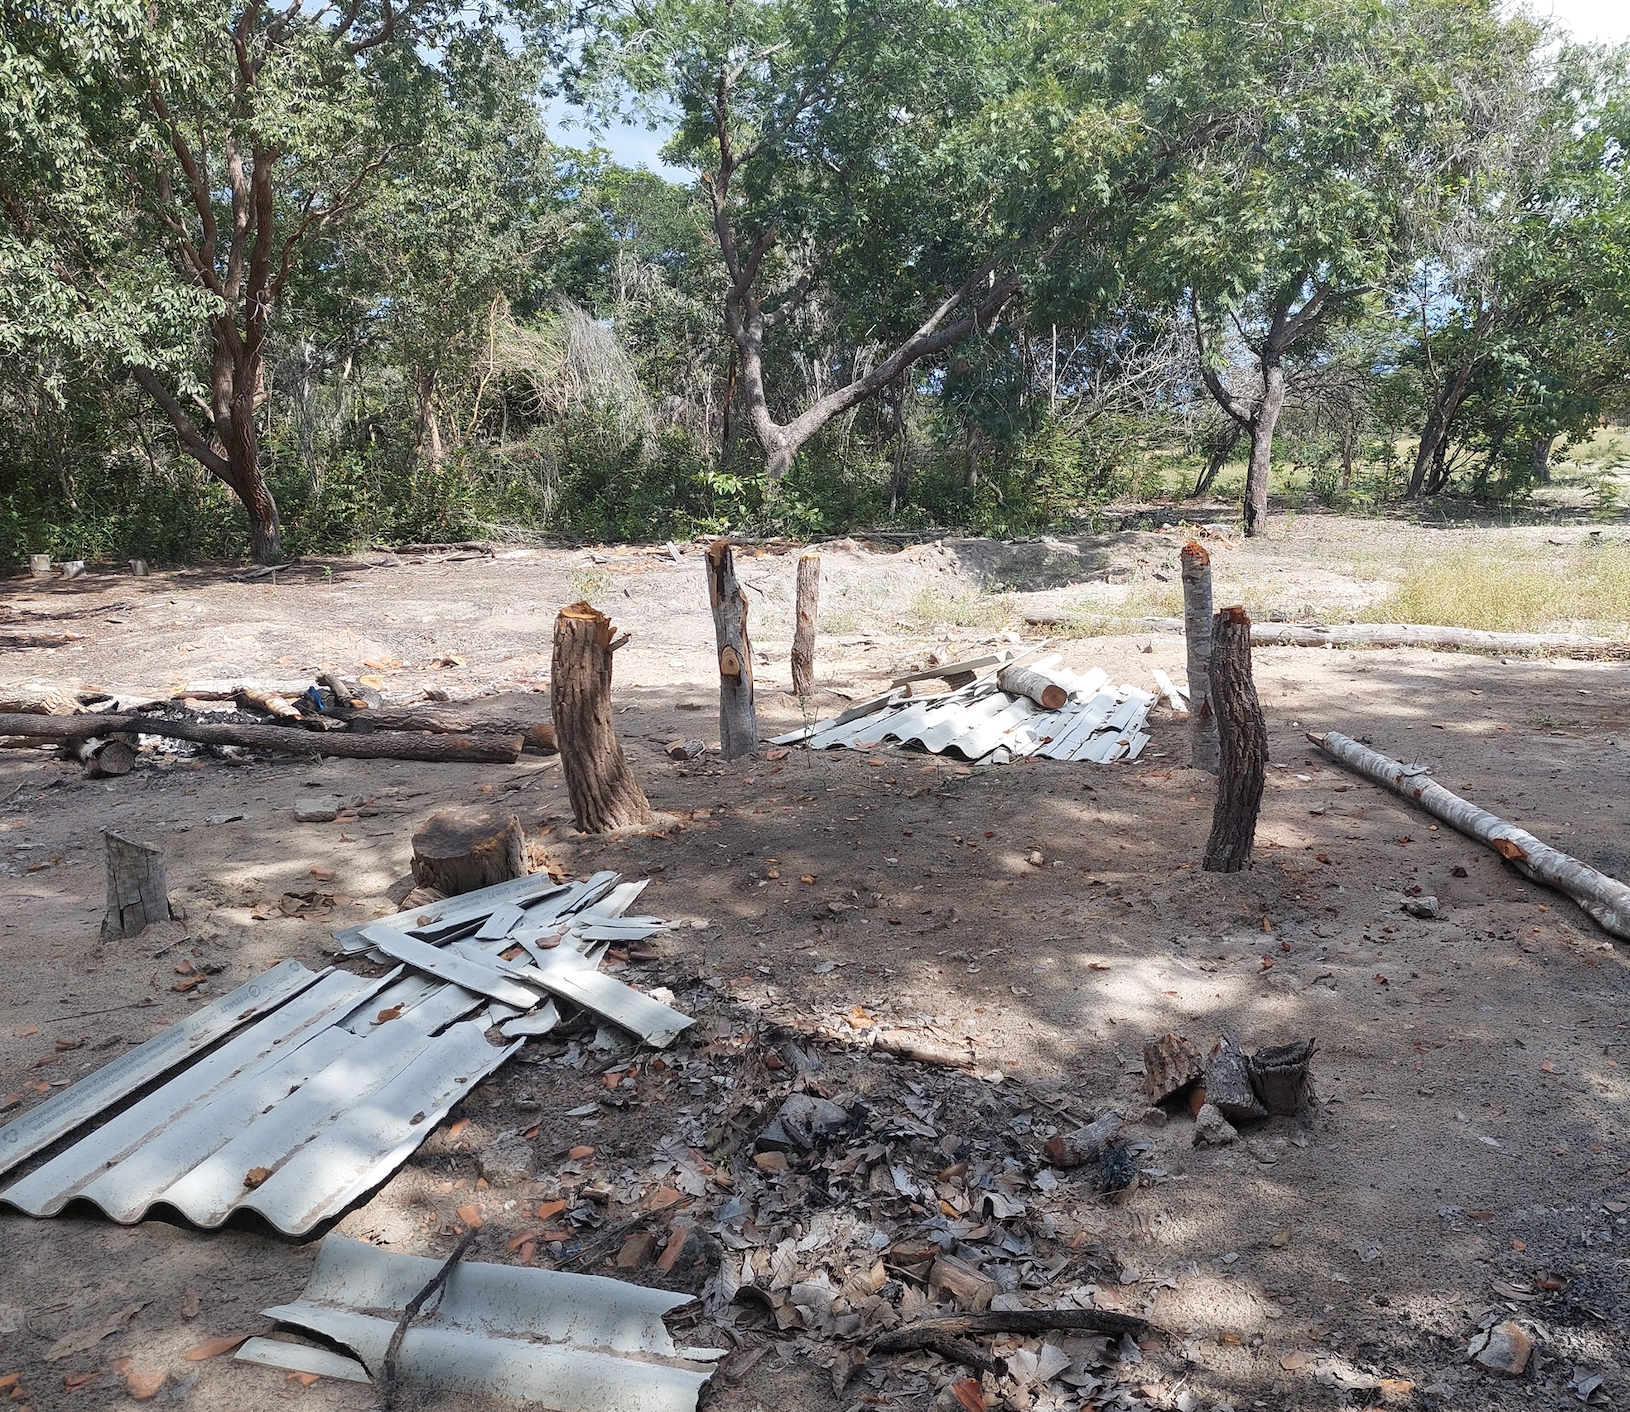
[379, 745]
[946, 1335]
[1442, 639]
[1242, 740]
[102, 759]
[1606, 899]
[537, 733]
[1038, 686]
[51, 702]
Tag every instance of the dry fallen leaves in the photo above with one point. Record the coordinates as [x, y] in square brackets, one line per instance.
[213, 1347]
[255, 1176]
[142, 1386]
[1295, 1362]
[969, 1394]
[82, 1339]
[470, 1215]
[189, 1304]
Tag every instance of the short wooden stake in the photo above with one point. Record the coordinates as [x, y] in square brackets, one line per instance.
[137, 895]
[803, 636]
[1197, 630]
[738, 718]
[602, 788]
[1243, 740]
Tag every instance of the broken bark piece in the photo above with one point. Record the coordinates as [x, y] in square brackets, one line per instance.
[1282, 1076]
[1170, 1064]
[1503, 1350]
[803, 636]
[1084, 1144]
[967, 1284]
[1118, 1174]
[1242, 738]
[1211, 1129]
[459, 850]
[602, 787]
[137, 895]
[802, 1122]
[269, 703]
[738, 718]
[1037, 686]
[1606, 899]
[683, 750]
[923, 1049]
[1228, 1082]
[54, 701]
[936, 1334]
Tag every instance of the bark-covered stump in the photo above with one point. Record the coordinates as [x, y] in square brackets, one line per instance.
[1242, 740]
[137, 894]
[458, 850]
[603, 790]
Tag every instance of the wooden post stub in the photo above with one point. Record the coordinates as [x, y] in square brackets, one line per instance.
[1037, 686]
[602, 788]
[458, 850]
[738, 718]
[137, 895]
[803, 634]
[1242, 739]
[1197, 632]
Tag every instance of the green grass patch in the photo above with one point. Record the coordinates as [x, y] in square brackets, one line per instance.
[934, 607]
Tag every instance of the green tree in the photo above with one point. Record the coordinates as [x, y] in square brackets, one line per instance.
[1295, 221]
[167, 164]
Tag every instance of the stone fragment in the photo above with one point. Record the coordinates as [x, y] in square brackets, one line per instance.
[802, 1122]
[508, 1161]
[1426, 908]
[1154, 1117]
[321, 810]
[1211, 1129]
[1502, 1350]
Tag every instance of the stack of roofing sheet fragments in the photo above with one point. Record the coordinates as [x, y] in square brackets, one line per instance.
[301, 1091]
[1100, 722]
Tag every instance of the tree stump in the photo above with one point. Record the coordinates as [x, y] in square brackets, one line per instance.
[459, 850]
[137, 894]
[603, 790]
[1197, 633]
[1037, 686]
[738, 719]
[803, 636]
[1242, 738]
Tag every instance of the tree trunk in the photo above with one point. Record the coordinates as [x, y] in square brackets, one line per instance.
[1243, 741]
[1264, 421]
[738, 718]
[459, 850]
[803, 636]
[1197, 630]
[602, 788]
[1217, 457]
[137, 894]
[1541, 458]
[1430, 452]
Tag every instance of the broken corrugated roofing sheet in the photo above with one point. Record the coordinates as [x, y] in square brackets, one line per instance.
[331, 1079]
[569, 1343]
[1100, 722]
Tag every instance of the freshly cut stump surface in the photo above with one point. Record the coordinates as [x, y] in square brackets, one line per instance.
[458, 850]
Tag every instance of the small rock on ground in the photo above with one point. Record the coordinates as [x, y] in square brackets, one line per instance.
[1211, 1128]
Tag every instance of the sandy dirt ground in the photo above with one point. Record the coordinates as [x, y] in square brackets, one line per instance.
[1466, 1161]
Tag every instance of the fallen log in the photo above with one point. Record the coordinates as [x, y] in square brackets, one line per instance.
[537, 735]
[102, 759]
[1037, 686]
[935, 1333]
[1606, 899]
[378, 745]
[51, 702]
[1441, 639]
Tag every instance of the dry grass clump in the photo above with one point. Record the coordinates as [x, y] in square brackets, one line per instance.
[1583, 588]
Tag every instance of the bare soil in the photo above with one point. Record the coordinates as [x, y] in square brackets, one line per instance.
[1472, 1124]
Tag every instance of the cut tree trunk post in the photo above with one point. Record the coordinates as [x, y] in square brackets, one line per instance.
[602, 788]
[738, 719]
[1197, 630]
[1037, 686]
[1606, 899]
[137, 895]
[383, 745]
[1242, 737]
[803, 637]
[458, 850]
